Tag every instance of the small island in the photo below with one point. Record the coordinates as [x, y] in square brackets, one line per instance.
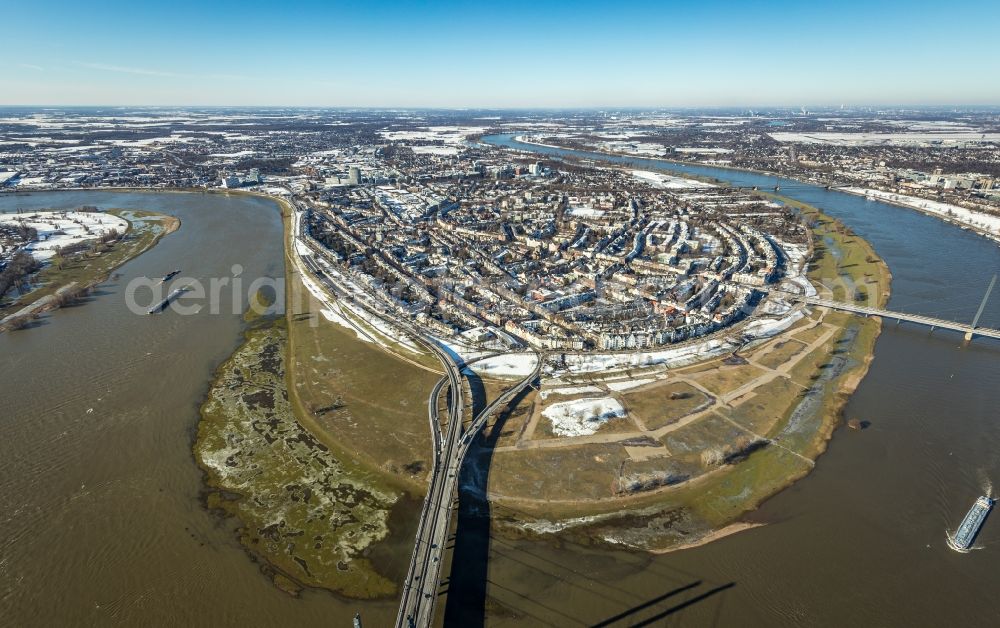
[49, 259]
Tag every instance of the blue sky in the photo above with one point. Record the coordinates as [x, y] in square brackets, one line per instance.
[499, 54]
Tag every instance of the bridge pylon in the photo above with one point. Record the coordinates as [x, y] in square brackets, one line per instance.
[982, 306]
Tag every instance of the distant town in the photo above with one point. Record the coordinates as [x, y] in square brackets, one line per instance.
[656, 330]
[627, 328]
[464, 236]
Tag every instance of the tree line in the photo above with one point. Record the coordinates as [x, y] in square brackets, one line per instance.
[15, 274]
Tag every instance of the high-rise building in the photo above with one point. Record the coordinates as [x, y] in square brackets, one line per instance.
[354, 175]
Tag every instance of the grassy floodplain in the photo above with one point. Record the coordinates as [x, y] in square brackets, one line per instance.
[790, 392]
[308, 515]
[87, 269]
[304, 390]
[311, 439]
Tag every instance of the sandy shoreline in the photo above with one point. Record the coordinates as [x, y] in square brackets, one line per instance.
[728, 530]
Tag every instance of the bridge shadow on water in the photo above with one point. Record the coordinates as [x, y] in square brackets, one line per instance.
[466, 587]
[469, 589]
[657, 609]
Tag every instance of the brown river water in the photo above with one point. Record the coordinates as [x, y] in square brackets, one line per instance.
[100, 509]
[101, 521]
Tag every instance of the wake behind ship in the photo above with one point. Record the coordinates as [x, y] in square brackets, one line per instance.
[966, 534]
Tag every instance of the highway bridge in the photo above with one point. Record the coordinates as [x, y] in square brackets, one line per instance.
[420, 589]
[969, 330]
[933, 323]
[416, 607]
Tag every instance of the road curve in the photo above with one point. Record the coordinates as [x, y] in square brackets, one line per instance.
[420, 589]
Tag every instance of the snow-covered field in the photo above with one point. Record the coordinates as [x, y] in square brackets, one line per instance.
[682, 355]
[799, 285]
[531, 139]
[446, 134]
[461, 351]
[768, 327]
[644, 149]
[535, 125]
[435, 150]
[582, 417]
[59, 229]
[899, 139]
[239, 153]
[585, 212]
[508, 365]
[703, 150]
[962, 215]
[666, 181]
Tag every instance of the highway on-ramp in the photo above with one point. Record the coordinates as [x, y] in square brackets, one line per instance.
[420, 589]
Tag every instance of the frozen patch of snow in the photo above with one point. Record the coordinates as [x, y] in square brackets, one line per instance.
[799, 285]
[582, 416]
[666, 181]
[585, 212]
[776, 306]
[768, 327]
[435, 150]
[461, 351]
[544, 526]
[509, 365]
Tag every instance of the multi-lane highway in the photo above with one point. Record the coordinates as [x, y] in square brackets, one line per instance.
[420, 590]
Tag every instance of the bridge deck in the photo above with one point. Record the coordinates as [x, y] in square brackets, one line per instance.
[899, 316]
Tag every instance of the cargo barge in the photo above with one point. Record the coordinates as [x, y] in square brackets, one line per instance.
[162, 305]
[967, 532]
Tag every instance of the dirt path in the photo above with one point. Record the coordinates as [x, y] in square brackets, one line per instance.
[723, 400]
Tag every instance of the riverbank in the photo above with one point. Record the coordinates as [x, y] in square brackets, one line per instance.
[765, 173]
[954, 214]
[292, 433]
[789, 393]
[308, 516]
[721, 533]
[986, 225]
[71, 277]
[365, 399]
